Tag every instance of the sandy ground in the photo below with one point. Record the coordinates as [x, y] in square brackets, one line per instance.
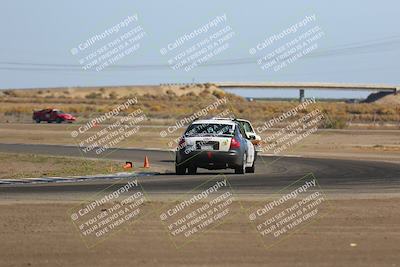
[360, 144]
[40, 233]
[357, 230]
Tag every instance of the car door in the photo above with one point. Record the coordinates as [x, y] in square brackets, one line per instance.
[47, 115]
[249, 146]
[250, 153]
[54, 115]
[254, 138]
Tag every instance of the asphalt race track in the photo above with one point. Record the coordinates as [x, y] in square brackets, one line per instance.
[272, 173]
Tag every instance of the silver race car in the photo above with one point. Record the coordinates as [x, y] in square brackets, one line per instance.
[215, 144]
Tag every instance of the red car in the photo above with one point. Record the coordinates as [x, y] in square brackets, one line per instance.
[51, 115]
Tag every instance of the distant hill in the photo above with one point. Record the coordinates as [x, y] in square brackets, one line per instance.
[387, 98]
[112, 92]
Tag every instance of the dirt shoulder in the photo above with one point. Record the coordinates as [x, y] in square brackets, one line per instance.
[355, 232]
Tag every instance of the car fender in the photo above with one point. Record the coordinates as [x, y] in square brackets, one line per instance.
[250, 153]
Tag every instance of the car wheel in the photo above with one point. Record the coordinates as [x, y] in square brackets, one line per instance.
[192, 170]
[37, 120]
[241, 169]
[180, 169]
[251, 169]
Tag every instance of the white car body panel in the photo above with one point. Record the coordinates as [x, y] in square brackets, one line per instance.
[250, 154]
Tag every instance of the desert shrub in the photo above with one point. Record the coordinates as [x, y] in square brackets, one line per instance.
[90, 109]
[218, 94]
[113, 95]
[10, 93]
[170, 92]
[93, 95]
[353, 109]
[385, 111]
[156, 108]
[335, 123]
[205, 93]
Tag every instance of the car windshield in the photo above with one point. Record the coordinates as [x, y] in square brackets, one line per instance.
[210, 129]
[60, 112]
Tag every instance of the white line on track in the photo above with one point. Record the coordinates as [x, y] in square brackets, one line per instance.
[120, 175]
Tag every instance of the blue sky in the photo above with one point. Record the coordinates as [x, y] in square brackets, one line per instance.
[361, 42]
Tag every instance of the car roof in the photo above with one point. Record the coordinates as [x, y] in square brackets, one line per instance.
[209, 121]
[234, 119]
[243, 120]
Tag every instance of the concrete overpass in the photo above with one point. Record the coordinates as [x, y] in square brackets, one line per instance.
[310, 85]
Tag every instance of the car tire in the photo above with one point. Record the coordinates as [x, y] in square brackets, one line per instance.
[251, 169]
[192, 170]
[180, 169]
[241, 169]
[37, 120]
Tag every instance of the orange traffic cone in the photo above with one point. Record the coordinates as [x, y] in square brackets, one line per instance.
[146, 162]
[128, 165]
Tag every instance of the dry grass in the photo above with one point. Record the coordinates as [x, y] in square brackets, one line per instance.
[31, 165]
[169, 103]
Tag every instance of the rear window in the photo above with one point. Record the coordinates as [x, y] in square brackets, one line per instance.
[210, 129]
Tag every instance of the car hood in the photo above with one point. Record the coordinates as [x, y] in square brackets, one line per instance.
[67, 116]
